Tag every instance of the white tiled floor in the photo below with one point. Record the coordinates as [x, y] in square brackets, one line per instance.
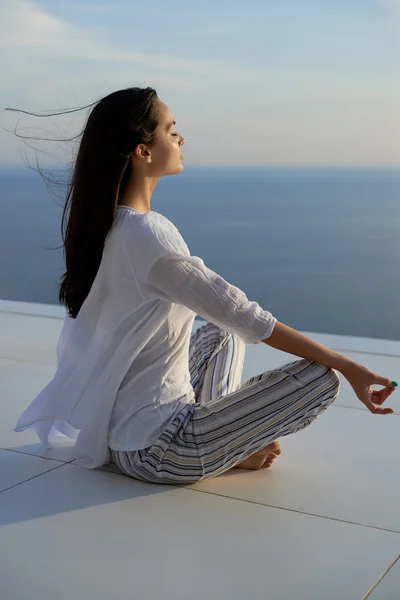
[343, 466]
[322, 524]
[98, 535]
[368, 345]
[389, 587]
[20, 382]
[16, 468]
[35, 309]
[29, 338]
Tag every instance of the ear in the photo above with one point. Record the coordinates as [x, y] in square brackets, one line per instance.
[143, 153]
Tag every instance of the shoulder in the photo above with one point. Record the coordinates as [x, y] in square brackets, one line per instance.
[158, 225]
[152, 232]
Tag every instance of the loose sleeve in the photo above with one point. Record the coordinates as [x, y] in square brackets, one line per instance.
[186, 280]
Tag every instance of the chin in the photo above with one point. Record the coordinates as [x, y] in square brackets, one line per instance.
[173, 170]
[176, 171]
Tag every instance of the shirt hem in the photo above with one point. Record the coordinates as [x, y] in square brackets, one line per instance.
[152, 439]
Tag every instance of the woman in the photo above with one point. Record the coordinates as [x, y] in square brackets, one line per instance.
[133, 385]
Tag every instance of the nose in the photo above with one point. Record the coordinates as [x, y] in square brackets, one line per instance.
[182, 141]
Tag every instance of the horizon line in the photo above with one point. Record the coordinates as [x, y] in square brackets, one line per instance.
[233, 166]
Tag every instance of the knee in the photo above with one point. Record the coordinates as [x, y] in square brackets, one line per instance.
[335, 379]
[330, 376]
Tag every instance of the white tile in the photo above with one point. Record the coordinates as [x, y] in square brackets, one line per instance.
[73, 533]
[19, 384]
[361, 344]
[5, 362]
[343, 466]
[32, 308]
[29, 338]
[16, 468]
[389, 587]
[110, 468]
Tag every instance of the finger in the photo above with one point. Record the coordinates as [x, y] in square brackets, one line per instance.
[383, 381]
[377, 410]
[384, 391]
[381, 396]
[379, 401]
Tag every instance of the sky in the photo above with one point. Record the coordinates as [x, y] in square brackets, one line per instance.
[261, 82]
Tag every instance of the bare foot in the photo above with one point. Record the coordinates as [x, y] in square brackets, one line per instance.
[262, 459]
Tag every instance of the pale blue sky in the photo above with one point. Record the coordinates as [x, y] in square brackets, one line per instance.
[249, 83]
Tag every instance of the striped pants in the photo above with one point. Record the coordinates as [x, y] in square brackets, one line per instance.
[230, 421]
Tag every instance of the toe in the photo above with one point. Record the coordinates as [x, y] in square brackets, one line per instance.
[273, 447]
[273, 450]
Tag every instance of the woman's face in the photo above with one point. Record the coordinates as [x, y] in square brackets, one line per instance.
[164, 156]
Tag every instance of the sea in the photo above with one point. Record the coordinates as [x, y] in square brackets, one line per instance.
[319, 248]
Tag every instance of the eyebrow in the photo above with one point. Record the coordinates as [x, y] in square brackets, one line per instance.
[170, 124]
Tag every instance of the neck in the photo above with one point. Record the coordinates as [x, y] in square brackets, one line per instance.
[138, 193]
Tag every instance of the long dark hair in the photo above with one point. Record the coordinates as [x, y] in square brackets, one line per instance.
[116, 125]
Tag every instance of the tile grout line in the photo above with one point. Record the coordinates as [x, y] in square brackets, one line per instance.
[375, 585]
[334, 405]
[177, 487]
[295, 511]
[35, 455]
[34, 477]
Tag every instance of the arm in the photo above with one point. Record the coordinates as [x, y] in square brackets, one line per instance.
[289, 340]
[360, 378]
[187, 281]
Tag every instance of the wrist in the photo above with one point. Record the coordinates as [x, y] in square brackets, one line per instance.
[343, 363]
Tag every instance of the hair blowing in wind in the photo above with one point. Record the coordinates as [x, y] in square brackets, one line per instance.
[116, 124]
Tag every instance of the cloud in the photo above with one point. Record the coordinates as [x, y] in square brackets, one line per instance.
[389, 6]
[27, 25]
[44, 58]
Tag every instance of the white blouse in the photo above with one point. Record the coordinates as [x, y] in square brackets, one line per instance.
[122, 364]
